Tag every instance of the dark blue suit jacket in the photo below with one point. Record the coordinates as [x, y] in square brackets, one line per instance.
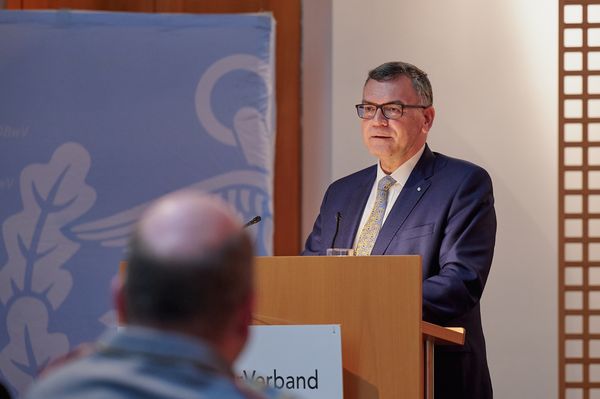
[445, 213]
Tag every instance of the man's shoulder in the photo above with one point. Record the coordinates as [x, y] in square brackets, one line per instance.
[65, 380]
[111, 371]
[351, 180]
[93, 378]
[116, 376]
[452, 165]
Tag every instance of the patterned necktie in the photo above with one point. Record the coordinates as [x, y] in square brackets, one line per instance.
[369, 233]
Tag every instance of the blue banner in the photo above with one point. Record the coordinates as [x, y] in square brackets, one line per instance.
[101, 113]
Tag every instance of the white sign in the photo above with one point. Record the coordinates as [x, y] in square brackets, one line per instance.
[305, 360]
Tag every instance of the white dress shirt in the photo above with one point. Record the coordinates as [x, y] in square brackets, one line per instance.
[401, 176]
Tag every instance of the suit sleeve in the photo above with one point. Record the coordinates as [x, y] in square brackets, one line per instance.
[466, 251]
[314, 244]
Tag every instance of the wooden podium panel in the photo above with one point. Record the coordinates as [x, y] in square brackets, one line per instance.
[375, 299]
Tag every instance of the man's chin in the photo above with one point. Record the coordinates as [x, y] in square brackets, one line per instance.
[380, 150]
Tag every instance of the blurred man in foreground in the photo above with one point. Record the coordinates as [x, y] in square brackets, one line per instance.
[186, 300]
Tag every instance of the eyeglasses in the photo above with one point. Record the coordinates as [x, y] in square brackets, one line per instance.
[392, 110]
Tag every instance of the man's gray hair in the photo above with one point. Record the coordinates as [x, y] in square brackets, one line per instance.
[393, 70]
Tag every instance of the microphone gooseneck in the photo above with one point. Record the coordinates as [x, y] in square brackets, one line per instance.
[338, 217]
[254, 220]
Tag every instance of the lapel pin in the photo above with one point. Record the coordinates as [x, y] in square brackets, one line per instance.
[418, 188]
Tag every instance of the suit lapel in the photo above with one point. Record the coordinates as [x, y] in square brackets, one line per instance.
[415, 187]
[353, 211]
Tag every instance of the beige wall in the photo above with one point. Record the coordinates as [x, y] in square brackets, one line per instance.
[493, 65]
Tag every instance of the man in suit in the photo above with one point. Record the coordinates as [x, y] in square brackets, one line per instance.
[185, 301]
[415, 201]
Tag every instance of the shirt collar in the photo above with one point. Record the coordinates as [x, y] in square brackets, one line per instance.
[402, 173]
[162, 344]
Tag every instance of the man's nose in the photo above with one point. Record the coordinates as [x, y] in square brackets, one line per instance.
[380, 118]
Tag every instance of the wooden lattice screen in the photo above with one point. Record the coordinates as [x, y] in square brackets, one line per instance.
[579, 199]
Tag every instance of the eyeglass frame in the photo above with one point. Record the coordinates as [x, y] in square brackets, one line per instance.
[380, 106]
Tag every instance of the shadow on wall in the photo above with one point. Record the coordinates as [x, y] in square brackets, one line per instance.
[524, 274]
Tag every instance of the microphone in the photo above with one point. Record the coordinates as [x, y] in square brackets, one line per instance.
[254, 220]
[338, 217]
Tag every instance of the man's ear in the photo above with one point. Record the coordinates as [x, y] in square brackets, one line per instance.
[429, 114]
[119, 299]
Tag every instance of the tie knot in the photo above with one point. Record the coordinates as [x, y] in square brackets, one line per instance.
[385, 183]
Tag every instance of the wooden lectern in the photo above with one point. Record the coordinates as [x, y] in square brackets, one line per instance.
[387, 351]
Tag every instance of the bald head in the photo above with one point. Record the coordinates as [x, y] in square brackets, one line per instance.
[186, 225]
[190, 263]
